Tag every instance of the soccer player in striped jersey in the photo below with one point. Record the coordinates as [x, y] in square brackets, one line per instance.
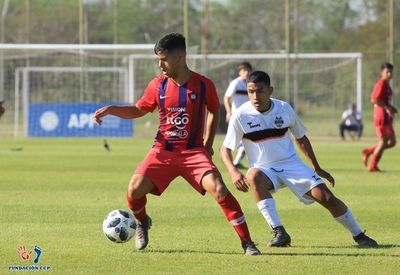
[263, 124]
[182, 98]
[384, 112]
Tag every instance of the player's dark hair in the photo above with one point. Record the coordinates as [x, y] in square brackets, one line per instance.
[171, 42]
[387, 65]
[259, 76]
[244, 66]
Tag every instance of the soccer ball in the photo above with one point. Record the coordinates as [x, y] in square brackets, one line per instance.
[119, 226]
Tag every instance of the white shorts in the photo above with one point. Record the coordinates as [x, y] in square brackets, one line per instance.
[294, 174]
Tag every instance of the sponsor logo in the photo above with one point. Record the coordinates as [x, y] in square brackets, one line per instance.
[25, 254]
[182, 134]
[162, 96]
[179, 122]
[177, 109]
[278, 121]
[80, 121]
[49, 121]
[253, 126]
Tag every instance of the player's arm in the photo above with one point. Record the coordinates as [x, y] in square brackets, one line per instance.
[228, 108]
[238, 179]
[127, 112]
[390, 109]
[211, 128]
[305, 146]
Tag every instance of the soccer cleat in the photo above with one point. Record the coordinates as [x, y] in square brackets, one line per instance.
[250, 249]
[374, 169]
[142, 233]
[364, 241]
[365, 157]
[281, 238]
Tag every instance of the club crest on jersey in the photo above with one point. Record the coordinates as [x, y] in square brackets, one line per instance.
[278, 121]
[192, 96]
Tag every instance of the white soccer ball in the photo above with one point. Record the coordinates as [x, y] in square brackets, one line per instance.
[119, 226]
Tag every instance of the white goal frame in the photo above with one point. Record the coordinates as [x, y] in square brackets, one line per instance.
[352, 55]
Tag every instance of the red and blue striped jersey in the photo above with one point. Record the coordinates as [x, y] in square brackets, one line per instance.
[181, 110]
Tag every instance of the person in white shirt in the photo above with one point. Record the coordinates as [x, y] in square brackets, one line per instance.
[234, 97]
[351, 121]
[263, 124]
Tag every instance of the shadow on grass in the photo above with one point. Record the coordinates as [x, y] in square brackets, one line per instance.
[280, 251]
[381, 246]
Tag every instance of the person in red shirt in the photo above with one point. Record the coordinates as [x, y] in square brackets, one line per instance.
[182, 98]
[384, 112]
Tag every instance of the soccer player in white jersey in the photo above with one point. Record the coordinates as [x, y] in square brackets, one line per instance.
[234, 97]
[263, 125]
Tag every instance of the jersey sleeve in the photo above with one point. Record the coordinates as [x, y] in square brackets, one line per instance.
[231, 89]
[234, 134]
[148, 102]
[377, 93]
[296, 126]
[212, 100]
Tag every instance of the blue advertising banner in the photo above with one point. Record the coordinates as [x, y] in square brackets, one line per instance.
[74, 120]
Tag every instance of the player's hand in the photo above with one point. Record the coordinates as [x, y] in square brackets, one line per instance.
[209, 149]
[100, 113]
[326, 175]
[239, 180]
[228, 117]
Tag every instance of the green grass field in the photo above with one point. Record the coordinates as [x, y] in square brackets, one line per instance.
[56, 192]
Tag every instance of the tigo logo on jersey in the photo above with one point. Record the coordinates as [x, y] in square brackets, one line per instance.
[180, 122]
[25, 255]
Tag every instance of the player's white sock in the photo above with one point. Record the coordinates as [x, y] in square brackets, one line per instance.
[239, 156]
[268, 210]
[348, 221]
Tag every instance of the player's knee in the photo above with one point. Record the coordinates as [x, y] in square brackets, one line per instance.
[134, 187]
[253, 176]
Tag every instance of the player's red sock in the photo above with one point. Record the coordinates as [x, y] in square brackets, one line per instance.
[138, 207]
[235, 216]
[374, 163]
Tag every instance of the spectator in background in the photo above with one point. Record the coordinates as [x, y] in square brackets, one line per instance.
[351, 121]
[2, 110]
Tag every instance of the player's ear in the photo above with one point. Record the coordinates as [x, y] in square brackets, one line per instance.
[271, 90]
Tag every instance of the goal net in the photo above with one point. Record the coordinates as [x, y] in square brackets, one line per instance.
[78, 80]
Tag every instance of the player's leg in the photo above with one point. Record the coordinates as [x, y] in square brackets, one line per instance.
[261, 185]
[377, 154]
[152, 176]
[213, 184]
[342, 127]
[138, 187]
[341, 213]
[360, 130]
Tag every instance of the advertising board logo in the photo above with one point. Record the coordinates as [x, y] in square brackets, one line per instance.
[49, 121]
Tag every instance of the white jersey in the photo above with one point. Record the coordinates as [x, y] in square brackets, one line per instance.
[351, 119]
[237, 93]
[265, 135]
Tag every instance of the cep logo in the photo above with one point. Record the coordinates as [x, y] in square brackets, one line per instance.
[180, 122]
[80, 121]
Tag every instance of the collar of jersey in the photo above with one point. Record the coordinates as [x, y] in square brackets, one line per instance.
[269, 110]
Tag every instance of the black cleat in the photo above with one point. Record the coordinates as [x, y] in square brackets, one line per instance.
[142, 233]
[364, 241]
[250, 249]
[281, 238]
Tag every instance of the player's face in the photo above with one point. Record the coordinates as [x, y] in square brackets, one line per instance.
[169, 62]
[259, 94]
[386, 74]
[244, 74]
